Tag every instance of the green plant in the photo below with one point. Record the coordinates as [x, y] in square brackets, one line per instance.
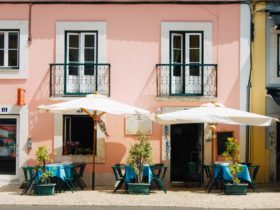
[232, 155]
[42, 156]
[139, 154]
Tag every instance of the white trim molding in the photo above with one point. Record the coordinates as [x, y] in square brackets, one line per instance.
[206, 27]
[21, 114]
[100, 26]
[244, 69]
[22, 71]
[58, 142]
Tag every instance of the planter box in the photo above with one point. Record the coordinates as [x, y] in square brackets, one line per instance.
[139, 188]
[43, 189]
[236, 189]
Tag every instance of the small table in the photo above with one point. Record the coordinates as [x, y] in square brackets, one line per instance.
[222, 173]
[130, 174]
[57, 170]
[223, 170]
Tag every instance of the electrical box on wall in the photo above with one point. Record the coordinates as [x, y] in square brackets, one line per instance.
[20, 97]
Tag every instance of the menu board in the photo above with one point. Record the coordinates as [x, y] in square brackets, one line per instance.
[138, 124]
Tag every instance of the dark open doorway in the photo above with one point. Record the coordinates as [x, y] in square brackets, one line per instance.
[8, 135]
[186, 152]
[278, 152]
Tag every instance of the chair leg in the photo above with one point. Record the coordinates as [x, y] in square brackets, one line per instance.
[252, 186]
[207, 185]
[69, 185]
[28, 186]
[83, 183]
[118, 185]
[212, 182]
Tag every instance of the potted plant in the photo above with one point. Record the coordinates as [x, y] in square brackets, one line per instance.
[139, 155]
[232, 155]
[43, 185]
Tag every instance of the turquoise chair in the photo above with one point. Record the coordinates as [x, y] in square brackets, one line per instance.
[159, 171]
[119, 176]
[70, 177]
[29, 178]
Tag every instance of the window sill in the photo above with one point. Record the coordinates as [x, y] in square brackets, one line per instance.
[9, 68]
[10, 73]
[187, 98]
[81, 158]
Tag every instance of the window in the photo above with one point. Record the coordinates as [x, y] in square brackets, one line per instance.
[186, 48]
[221, 141]
[81, 49]
[77, 135]
[185, 57]
[278, 55]
[9, 49]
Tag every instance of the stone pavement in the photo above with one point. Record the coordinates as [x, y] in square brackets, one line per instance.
[266, 198]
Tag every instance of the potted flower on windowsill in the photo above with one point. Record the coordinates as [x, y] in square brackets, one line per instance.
[139, 155]
[232, 155]
[43, 185]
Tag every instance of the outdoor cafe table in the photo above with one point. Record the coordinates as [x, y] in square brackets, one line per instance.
[223, 170]
[222, 173]
[130, 174]
[57, 170]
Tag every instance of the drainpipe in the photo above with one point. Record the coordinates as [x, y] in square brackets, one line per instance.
[249, 84]
[216, 2]
[29, 24]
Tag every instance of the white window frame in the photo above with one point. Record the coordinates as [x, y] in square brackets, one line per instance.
[206, 27]
[99, 26]
[6, 49]
[21, 72]
[188, 48]
[82, 46]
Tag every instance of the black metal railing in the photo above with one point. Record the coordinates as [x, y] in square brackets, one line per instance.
[79, 79]
[187, 80]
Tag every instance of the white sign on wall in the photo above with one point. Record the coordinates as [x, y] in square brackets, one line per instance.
[138, 124]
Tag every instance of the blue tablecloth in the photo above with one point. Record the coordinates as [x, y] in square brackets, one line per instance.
[222, 168]
[131, 175]
[57, 169]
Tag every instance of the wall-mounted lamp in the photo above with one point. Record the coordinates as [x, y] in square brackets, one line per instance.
[276, 27]
[269, 15]
[29, 143]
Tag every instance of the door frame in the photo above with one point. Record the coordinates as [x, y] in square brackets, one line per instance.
[11, 177]
[166, 146]
[271, 139]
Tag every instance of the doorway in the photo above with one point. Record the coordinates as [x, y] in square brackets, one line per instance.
[186, 152]
[8, 146]
[278, 152]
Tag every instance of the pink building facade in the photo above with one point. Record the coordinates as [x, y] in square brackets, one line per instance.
[160, 57]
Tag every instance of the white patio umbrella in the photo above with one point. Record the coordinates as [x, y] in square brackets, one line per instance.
[214, 113]
[95, 106]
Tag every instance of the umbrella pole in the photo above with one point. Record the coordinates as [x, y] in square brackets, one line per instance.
[93, 153]
[213, 129]
[213, 146]
[94, 116]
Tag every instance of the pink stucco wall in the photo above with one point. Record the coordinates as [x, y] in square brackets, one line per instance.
[133, 49]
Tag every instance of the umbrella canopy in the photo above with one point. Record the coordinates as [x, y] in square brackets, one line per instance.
[95, 106]
[94, 102]
[214, 113]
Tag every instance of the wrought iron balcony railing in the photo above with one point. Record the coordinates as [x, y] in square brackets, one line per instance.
[186, 80]
[78, 79]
